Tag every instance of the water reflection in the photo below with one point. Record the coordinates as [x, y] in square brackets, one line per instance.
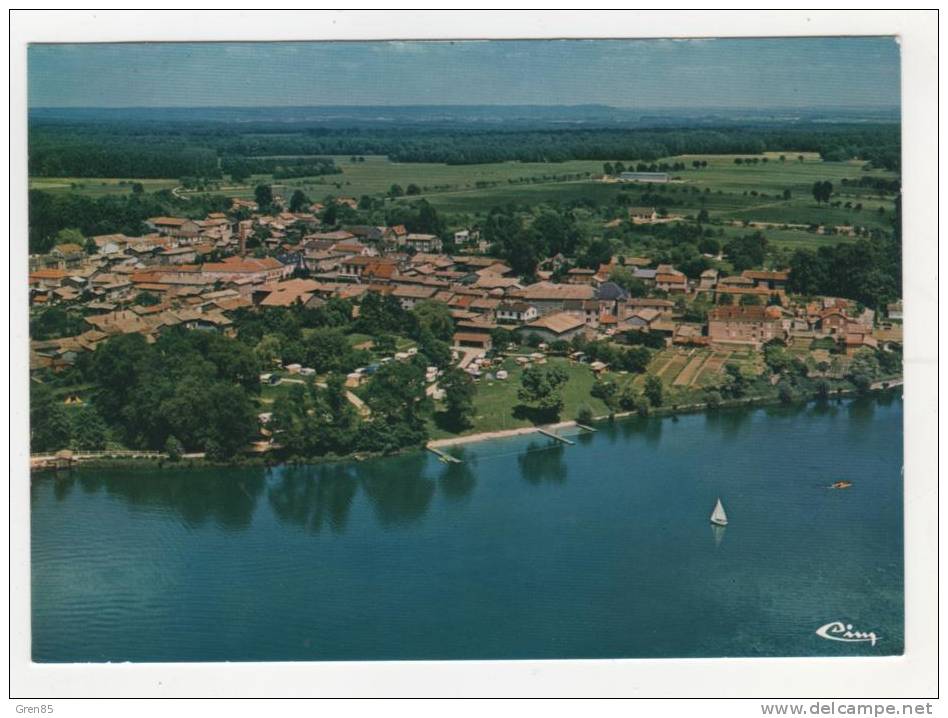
[397, 488]
[457, 481]
[887, 398]
[542, 463]
[62, 486]
[785, 411]
[648, 429]
[823, 407]
[226, 496]
[308, 497]
[861, 410]
[728, 422]
[717, 533]
[610, 431]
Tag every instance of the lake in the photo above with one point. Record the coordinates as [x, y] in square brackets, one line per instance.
[527, 549]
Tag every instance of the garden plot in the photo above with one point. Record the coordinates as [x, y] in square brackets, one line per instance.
[690, 373]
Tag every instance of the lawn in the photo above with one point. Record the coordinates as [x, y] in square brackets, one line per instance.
[495, 401]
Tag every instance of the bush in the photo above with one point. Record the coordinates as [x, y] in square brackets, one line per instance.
[585, 415]
[713, 399]
[642, 407]
[786, 393]
[173, 448]
[627, 399]
[654, 391]
[213, 451]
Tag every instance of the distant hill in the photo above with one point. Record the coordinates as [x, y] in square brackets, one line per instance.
[468, 116]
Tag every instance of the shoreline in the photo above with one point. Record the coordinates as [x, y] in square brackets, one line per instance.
[447, 442]
[500, 434]
[661, 411]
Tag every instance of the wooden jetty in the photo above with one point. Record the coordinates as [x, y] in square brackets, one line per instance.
[585, 428]
[555, 436]
[443, 456]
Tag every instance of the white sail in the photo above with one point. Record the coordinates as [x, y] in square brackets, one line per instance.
[718, 516]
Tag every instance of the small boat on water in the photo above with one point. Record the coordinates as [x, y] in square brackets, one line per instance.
[718, 517]
[841, 485]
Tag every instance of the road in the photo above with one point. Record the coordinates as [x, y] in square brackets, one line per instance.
[353, 399]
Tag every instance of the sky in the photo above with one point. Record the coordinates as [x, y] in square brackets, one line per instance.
[748, 73]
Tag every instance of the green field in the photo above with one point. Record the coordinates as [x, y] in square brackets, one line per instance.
[729, 192]
[97, 187]
[732, 194]
[376, 175]
[496, 401]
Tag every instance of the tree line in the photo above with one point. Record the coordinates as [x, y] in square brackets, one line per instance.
[201, 150]
[869, 271]
[241, 168]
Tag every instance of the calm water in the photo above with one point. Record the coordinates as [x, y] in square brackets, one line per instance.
[526, 550]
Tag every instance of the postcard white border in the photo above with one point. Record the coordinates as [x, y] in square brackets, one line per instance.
[911, 675]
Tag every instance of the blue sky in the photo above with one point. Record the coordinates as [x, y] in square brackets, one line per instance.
[751, 73]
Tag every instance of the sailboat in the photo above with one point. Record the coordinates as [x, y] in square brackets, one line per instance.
[718, 516]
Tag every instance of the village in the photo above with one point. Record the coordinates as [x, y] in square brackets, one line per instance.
[198, 274]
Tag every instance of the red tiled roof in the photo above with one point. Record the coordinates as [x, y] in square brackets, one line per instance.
[168, 221]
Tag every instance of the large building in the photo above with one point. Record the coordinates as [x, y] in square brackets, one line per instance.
[265, 269]
[551, 327]
[179, 227]
[750, 325]
[548, 297]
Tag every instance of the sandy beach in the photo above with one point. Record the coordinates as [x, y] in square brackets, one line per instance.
[485, 436]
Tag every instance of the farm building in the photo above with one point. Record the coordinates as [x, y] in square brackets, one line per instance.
[642, 215]
[560, 325]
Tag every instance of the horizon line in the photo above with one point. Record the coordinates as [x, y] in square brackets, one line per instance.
[473, 104]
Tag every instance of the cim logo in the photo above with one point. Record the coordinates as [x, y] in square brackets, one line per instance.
[839, 631]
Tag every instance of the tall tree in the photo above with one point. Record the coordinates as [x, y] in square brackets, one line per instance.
[822, 191]
[89, 430]
[654, 390]
[459, 391]
[542, 386]
[50, 427]
[298, 201]
[263, 195]
[434, 317]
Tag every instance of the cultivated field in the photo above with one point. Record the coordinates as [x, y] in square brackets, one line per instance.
[97, 187]
[733, 195]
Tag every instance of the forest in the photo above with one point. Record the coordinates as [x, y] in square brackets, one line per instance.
[199, 392]
[179, 149]
[51, 213]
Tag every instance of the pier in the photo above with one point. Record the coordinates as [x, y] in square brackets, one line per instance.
[443, 456]
[555, 436]
[585, 428]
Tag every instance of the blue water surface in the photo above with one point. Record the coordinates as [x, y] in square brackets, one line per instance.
[527, 549]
